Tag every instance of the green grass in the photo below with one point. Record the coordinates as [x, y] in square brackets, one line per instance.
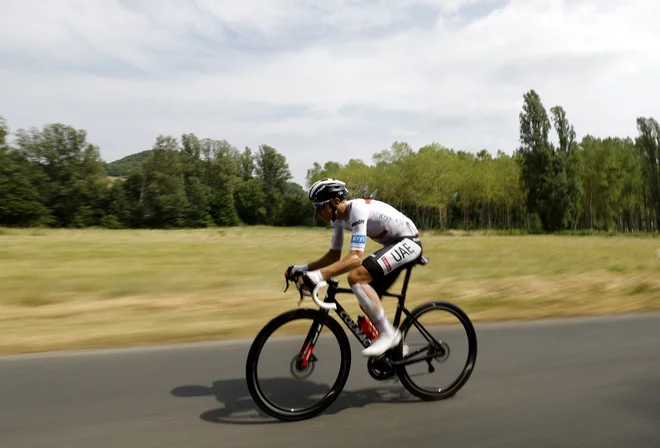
[97, 288]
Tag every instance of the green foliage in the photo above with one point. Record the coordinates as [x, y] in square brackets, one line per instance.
[293, 208]
[163, 191]
[21, 203]
[250, 201]
[54, 177]
[648, 144]
[126, 165]
[273, 171]
[66, 172]
[4, 131]
[549, 174]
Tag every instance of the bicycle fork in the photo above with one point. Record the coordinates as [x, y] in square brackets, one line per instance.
[305, 355]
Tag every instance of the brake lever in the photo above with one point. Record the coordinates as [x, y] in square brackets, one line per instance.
[288, 279]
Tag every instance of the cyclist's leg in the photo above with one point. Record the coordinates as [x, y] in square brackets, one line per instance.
[369, 281]
[385, 265]
[360, 281]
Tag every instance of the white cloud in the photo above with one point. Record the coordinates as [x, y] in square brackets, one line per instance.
[325, 80]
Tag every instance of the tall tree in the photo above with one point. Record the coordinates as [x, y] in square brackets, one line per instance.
[566, 174]
[4, 131]
[550, 176]
[21, 203]
[535, 152]
[246, 164]
[648, 143]
[273, 170]
[198, 193]
[163, 190]
[222, 177]
[74, 179]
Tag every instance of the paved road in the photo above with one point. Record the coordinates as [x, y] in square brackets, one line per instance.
[583, 383]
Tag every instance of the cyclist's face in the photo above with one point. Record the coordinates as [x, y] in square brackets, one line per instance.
[323, 210]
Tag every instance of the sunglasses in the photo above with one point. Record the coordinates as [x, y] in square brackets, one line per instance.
[319, 205]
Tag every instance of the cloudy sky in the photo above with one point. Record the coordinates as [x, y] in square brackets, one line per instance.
[325, 80]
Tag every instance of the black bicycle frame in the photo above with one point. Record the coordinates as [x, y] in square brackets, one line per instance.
[333, 290]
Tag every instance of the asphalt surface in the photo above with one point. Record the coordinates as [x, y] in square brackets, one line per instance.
[577, 383]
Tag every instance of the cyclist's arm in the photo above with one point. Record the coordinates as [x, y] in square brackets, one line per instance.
[334, 253]
[353, 259]
[331, 256]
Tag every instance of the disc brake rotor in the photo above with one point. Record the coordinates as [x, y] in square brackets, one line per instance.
[303, 373]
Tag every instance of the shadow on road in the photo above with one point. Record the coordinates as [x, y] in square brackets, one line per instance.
[239, 408]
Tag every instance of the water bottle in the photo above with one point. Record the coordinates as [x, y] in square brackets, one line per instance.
[367, 327]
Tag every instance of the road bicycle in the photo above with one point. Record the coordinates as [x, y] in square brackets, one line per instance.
[391, 364]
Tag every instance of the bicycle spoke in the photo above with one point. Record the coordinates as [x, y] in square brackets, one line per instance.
[431, 351]
[425, 333]
[300, 381]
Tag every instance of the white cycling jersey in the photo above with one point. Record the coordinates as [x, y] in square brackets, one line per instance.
[374, 219]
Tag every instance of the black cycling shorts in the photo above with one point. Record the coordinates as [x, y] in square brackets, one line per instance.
[386, 264]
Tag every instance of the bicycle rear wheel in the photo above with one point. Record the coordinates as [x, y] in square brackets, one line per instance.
[308, 353]
[435, 350]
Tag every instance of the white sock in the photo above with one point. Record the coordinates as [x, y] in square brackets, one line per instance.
[382, 323]
[379, 319]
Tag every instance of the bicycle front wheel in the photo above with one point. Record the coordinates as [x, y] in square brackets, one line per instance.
[435, 336]
[313, 365]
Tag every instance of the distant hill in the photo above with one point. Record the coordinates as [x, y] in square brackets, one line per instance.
[124, 166]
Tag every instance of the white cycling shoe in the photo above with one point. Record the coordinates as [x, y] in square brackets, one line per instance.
[383, 343]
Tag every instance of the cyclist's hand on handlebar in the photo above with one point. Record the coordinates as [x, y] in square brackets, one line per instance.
[288, 274]
[311, 279]
[293, 274]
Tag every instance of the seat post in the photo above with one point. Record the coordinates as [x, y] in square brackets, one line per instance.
[421, 260]
[405, 281]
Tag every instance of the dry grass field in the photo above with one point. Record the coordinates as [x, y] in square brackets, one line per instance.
[64, 289]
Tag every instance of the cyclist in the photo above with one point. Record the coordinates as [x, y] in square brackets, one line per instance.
[371, 277]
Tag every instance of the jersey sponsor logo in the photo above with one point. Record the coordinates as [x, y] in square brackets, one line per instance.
[386, 263]
[359, 239]
[402, 251]
[399, 255]
[357, 222]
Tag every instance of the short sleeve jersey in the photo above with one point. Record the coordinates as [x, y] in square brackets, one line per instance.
[374, 219]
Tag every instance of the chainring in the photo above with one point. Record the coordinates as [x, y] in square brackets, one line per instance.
[380, 369]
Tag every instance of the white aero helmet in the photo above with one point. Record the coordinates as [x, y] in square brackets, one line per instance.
[326, 189]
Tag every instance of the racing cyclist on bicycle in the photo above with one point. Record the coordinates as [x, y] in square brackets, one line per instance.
[371, 277]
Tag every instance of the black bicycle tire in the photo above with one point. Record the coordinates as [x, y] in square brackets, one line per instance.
[253, 358]
[470, 362]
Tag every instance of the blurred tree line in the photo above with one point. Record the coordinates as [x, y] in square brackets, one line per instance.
[55, 177]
